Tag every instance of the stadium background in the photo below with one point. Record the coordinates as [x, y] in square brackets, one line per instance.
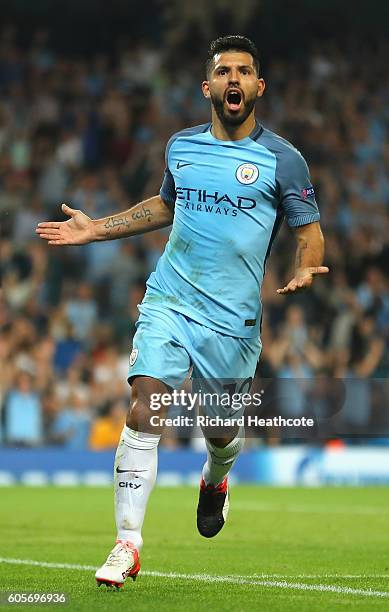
[90, 94]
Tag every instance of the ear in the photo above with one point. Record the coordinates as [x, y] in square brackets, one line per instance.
[261, 88]
[205, 89]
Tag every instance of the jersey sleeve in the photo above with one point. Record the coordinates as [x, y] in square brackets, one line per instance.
[168, 188]
[297, 194]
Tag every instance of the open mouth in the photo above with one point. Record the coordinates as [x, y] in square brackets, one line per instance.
[234, 99]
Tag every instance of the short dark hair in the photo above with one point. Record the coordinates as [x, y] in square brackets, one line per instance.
[232, 43]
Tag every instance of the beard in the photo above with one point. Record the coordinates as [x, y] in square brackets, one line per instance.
[229, 119]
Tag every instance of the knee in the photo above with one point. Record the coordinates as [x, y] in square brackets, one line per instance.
[140, 411]
[138, 414]
[226, 435]
[221, 442]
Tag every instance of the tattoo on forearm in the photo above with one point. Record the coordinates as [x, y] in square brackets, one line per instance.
[145, 213]
[112, 222]
[300, 252]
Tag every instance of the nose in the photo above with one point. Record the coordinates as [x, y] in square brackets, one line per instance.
[234, 77]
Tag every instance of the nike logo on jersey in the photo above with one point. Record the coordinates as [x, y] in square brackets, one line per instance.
[119, 471]
[182, 164]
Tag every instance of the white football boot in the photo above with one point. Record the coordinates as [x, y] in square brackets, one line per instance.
[123, 561]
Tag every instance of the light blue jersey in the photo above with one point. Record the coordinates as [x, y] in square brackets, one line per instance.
[230, 198]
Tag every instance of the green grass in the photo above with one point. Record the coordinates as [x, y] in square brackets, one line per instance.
[317, 532]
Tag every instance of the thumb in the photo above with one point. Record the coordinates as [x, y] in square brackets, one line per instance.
[68, 211]
[319, 270]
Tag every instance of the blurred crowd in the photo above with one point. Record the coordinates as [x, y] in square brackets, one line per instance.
[92, 131]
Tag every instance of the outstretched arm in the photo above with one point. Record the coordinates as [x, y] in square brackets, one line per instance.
[144, 217]
[309, 257]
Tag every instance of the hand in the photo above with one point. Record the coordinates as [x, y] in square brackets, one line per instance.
[79, 229]
[303, 279]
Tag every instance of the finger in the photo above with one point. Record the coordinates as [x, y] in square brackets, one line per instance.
[291, 286]
[50, 236]
[286, 289]
[283, 289]
[304, 282]
[48, 230]
[68, 211]
[319, 270]
[57, 242]
[47, 224]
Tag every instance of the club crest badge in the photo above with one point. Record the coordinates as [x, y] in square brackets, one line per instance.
[133, 356]
[247, 174]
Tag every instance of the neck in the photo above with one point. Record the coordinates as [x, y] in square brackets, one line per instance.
[232, 132]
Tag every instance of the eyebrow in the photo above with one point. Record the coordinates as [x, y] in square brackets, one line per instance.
[246, 66]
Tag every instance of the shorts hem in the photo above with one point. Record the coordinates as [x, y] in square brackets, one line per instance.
[163, 379]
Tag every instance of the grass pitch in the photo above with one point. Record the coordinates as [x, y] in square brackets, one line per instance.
[282, 549]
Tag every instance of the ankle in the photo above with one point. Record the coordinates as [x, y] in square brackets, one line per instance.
[127, 544]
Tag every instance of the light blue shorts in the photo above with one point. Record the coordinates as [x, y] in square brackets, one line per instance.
[167, 344]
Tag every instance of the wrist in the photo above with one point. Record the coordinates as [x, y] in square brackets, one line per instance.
[96, 231]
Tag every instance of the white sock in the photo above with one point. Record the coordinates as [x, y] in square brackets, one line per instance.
[136, 458]
[220, 460]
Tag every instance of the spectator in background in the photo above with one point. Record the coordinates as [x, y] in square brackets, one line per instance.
[126, 269]
[70, 428]
[67, 349]
[106, 429]
[366, 352]
[23, 413]
[26, 220]
[81, 311]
